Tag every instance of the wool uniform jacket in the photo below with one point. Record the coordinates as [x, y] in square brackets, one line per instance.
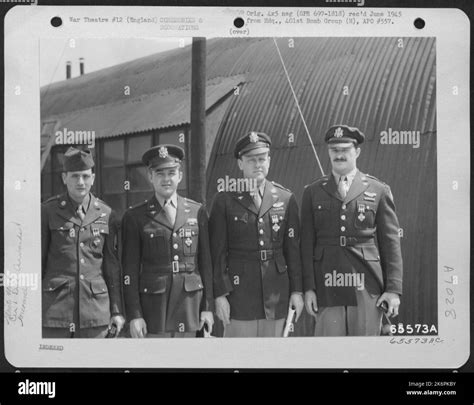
[167, 269]
[357, 234]
[255, 253]
[80, 268]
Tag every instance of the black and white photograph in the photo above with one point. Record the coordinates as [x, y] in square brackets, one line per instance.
[214, 188]
[294, 114]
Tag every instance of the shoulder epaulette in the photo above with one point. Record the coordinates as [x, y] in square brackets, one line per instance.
[102, 202]
[137, 205]
[189, 201]
[376, 179]
[53, 198]
[280, 186]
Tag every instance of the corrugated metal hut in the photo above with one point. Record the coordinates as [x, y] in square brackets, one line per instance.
[376, 84]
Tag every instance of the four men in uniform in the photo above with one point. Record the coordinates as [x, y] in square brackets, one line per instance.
[246, 263]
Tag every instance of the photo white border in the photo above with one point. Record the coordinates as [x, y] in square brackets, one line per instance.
[24, 26]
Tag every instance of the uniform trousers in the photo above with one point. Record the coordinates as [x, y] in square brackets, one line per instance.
[255, 328]
[363, 320]
[82, 333]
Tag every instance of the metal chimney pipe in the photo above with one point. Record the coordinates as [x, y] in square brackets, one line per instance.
[81, 66]
[68, 70]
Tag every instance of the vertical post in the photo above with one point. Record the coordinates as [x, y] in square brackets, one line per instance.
[81, 66]
[197, 158]
[68, 70]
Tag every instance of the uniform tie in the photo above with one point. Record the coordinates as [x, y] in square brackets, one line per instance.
[80, 212]
[170, 211]
[257, 198]
[343, 186]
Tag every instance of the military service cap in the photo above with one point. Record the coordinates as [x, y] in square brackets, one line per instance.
[76, 160]
[344, 133]
[255, 142]
[163, 156]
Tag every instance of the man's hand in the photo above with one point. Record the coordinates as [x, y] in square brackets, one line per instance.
[119, 321]
[223, 309]
[138, 328]
[393, 302]
[296, 302]
[207, 319]
[311, 302]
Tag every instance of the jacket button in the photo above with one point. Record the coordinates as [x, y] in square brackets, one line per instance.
[319, 207]
[176, 257]
[343, 228]
[81, 276]
[262, 243]
[343, 206]
[83, 261]
[175, 235]
[343, 217]
[235, 218]
[151, 235]
[145, 290]
[260, 220]
[261, 231]
[175, 246]
[81, 244]
[83, 229]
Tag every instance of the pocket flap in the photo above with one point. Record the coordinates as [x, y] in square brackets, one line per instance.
[370, 253]
[103, 229]
[192, 282]
[280, 263]
[153, 284]
[98, 286]
[58, 224]
[322, 205]
[55, 283]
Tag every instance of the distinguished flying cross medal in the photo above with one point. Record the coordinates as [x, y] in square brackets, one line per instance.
[163, 152]
[253, 137]
[361, 217]
[276, 227]
[338, 132]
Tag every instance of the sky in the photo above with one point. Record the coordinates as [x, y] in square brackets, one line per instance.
[97, 54]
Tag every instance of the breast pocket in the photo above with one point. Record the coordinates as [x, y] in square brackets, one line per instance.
[238, 223]
[155, 241]
[321, 210]
[63, 233]
[365, 215]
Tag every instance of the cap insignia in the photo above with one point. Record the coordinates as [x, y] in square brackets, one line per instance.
[338, 132]
[163, 152]
[253, 137]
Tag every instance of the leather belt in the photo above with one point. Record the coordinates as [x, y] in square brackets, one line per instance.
[346, 241]
[176, 267]
[255, 255]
